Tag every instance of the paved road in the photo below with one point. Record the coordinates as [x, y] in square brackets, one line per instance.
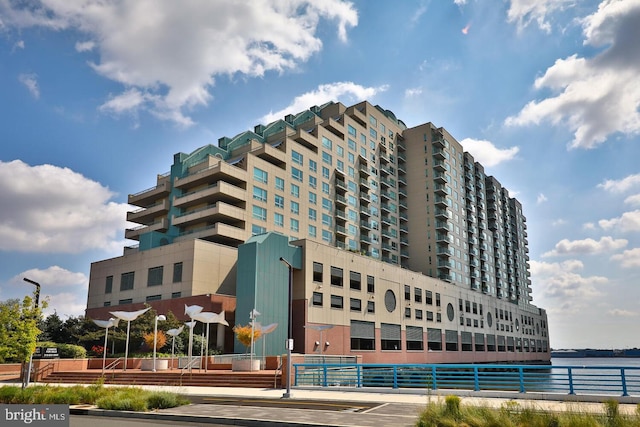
[84, 420]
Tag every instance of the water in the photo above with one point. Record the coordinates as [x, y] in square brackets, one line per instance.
[589, 378]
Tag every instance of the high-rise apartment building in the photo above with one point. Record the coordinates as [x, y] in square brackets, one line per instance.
[354, 179]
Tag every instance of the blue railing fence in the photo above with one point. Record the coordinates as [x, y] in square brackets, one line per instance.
[573, 380]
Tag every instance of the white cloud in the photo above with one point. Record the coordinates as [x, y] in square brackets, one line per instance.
[618, 312]
[564, 283]
[541, 198]
[628, 259]
[171, 52]
[30, 81]
[629, 221]
[487, 153]
[589, 226]
[633, 200]
[558, 222]
[524, 12]
[17, 45]
[599, 96]
[85, 46]
[586, 246]
[411, 92]
[51, 209]
[621, 186]
[346, 92]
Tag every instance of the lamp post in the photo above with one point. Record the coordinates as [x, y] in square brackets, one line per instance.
[289, 346]
[25, 382]
[162, 318]
[253, 314]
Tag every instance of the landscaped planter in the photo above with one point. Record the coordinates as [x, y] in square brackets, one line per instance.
[245, 365]
[161, 364]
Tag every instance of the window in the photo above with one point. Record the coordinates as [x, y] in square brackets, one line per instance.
[465, 341]
[279, 201]
[153, 298]
[278, 219]
[354, 280]
[371, 307]
[317, 272]
[326, 143]
[108, 286]
[407, 293]
[407, 313]
[313, 231]
[313, 182]
[340, 165]
[414, 338]
[296, 174]
[326, 158]
[336, 301]
[313, 198]
[371, 285]
[125, 301]
[295, 190]
[279, 183]
[451, 340]
[362, 335]
[313, 215]
[256, 229]
[340, 150]
[316, 299]
[259, 213]
[355, 304]
[326, 204]
[336, 276]
[434, 339]
[325, 173]
[297, 157]
[325, 188]
[295, 225]
[479, 342]
[390, 337]
[438, 300]
[177, 272]
[107, 304]
[418, 314]
[154, 276]
[417, 294]
[176, 294]
[313, 165]
[326, 236]
[260, 175]
[430, 316]
[126, 281]
[260, 194]
[295, 208]
[351, 130]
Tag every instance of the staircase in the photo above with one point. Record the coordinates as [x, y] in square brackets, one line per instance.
[259, 379]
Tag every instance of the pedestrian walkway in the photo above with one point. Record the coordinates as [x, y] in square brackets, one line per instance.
[337, 407]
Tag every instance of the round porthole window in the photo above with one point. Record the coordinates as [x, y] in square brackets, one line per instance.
[450, 312]
[489, 320]
[390, 300]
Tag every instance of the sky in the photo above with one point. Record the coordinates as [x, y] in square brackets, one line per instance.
[96, 96]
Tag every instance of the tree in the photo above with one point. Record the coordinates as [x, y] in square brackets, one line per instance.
[19, 330]
[243, 333]
[53, 329]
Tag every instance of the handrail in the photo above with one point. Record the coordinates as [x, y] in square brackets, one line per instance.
[189, 366]
[34, 374]
[112, 366]
[275, 376]
[572, 380]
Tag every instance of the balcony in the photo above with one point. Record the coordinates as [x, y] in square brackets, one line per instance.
[438, 153]
[219, 212]
[357, 115]
[438, 142]
[363, 168]
[441, 201]
[150, 196]
[443, 251]
[220, 191]
[341, 214]
[364, 184]
[221, 171]
[439, 165]
[341, 200]
[442, 225]
[445, 277]
[272, 155]
[334, 126]
[365, 211]
[218, 233]
[440, 177]
[146, 215]
[306, 139]
[441, 213]
[440, 189]
[340, 230]
[404, 254]
[134, 233]
[341, 184]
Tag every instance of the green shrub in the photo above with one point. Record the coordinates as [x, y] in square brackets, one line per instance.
[163, 400]
[66, 351]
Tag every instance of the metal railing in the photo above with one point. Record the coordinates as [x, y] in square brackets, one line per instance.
[573, 380]
[112, 367]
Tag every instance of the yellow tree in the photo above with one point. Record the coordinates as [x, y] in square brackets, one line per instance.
[19, 331]
[243, 333]
[149, 338]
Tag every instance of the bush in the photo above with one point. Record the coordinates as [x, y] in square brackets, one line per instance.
[66, 351]
[164, 400]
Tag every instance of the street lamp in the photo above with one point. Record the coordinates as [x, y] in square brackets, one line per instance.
[289, 346]
[253, 314]
[162, 318]
[25, 382]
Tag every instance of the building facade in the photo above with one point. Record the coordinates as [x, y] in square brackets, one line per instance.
[412, 213]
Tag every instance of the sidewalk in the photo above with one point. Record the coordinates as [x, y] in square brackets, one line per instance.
[340, 407]
[337, 407]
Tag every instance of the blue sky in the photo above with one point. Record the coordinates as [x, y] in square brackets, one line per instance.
[97, 96]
